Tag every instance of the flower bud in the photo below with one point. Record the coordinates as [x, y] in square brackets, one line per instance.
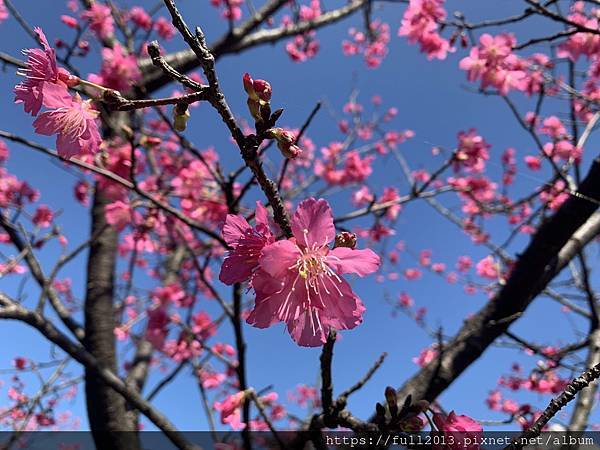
[254, 108]
[150, 141]
[286, 142]
[249, 85]
[258, 90]
[263, 90]
[290, 151]
[181, 114]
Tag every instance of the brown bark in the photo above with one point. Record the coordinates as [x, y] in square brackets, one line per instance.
[107, 410]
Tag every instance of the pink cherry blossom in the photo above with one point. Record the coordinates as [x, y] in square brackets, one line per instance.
[69, 21]
[425, 357]
[100, 19]
[247, 243]
[74, 123]
[45, 83]
[164, 28]
[487, 268]
[587, 44]
[373, 47]
[118, 214]
[43, 216]
[298, 280]
[494, 63]
[420, 25]
[231, 9]
[211, 380]
[156, 331]
[119, 69]
[140, 17]
[3, 152]
[303, 47]
[472, 151]
[466, 433]
[230, 410]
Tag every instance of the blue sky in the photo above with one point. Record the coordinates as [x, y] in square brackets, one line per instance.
[433, 99]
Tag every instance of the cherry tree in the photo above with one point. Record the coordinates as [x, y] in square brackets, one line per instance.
[190, 246]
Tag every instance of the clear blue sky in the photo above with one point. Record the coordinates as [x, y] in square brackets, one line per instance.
[432, 100]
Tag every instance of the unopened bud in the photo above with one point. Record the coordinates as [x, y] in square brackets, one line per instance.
[391, 398]
[150, 141]
[286, 142]
[290, 151]
[263, 90]
[258, 90]
[345, 239]
[67, 78]
[249, 85]
[181, 115]
[254, 108]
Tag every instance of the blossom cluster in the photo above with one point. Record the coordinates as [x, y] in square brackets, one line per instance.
[72, 119]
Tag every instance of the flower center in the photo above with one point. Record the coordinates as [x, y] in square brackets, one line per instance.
[311, 265]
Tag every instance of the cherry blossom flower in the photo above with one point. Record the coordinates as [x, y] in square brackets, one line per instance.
[496, 65]
[487, 268]
[211, 380]
[373, 47]
[465, 432]
[3, 152]
[119, 69]
[164, 28]
[303, 47]
[247, 243]
[472, 151]
[298, 280]
[45, 83]
[118, 214]
[420, 25]
[43, 216]
[140, 17]
[101, 20]
[426, 356]
[230, 410]
[69, 21]
[74, 123]
[231, 9]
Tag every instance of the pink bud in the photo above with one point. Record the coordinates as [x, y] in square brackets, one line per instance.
[249, 84]
[290, 151]
[69, 21]
[257, 89]
[263, 90]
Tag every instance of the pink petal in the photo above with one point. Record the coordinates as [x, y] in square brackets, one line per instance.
[360, 262]
[278, 257]
[312, 223]
[261, 215]
[235, 270]
[305, 331]
[269, 295]
[47, 123]
[55, 95]
[68, 146]
[235, 227]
